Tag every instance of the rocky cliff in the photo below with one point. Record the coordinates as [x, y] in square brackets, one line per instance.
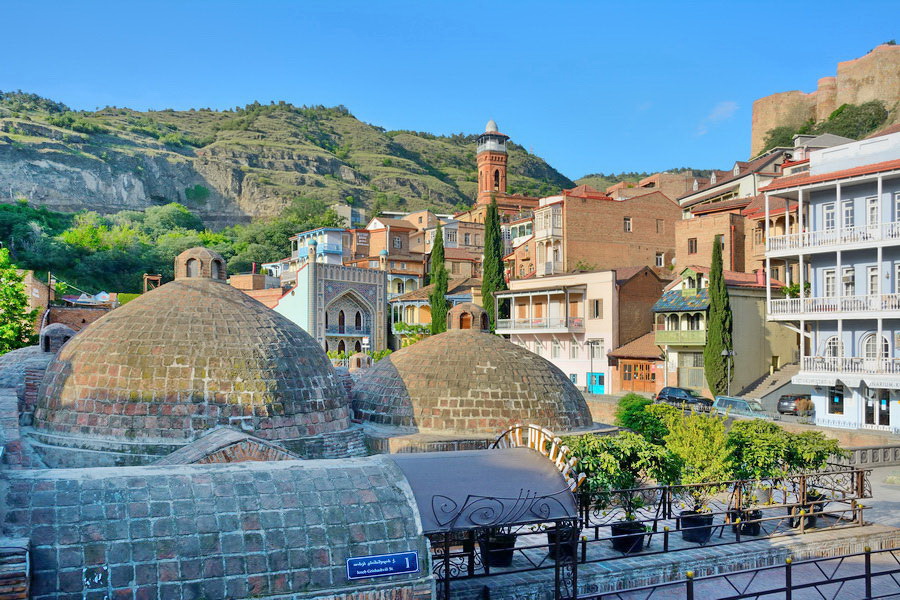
[232, 166]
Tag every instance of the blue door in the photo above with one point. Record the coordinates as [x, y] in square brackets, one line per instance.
[596, 383]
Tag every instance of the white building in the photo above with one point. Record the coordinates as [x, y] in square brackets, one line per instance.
[845, 242]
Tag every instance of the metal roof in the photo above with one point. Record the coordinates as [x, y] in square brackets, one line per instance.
[674, 300]
[472, 489]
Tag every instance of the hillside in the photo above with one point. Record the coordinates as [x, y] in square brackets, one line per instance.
[601, 181]
[234, 165]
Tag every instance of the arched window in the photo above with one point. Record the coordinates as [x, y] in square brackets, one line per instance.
[341, 347]
[497, 179]
[465, 321]
[341, 323]
[357, 348]
[871, 347]
[694, 322]
[193, 267]
[358, 320]
[45, 343]
[484, 322]
[672, 323]
[216, 270]
[834, 347]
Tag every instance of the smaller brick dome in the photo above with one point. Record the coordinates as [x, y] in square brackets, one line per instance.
[53, 336]
[468, 316]
[465, 382]
[360, 360]
[201, 262]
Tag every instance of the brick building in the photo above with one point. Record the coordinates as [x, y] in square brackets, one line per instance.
[673, 185]
[568, 230]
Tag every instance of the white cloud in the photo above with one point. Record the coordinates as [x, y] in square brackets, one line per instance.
[721, 112]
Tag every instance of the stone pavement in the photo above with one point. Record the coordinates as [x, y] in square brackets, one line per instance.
[884, 506]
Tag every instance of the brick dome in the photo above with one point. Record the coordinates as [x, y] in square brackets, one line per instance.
[186, 357]
[465, 381]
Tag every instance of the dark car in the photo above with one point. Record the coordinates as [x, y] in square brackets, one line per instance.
[792, 404]
[675, 395]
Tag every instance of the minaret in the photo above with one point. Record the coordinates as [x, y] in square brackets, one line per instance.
[492, 161]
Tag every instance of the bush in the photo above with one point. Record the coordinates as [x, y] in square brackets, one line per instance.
[699, 443]
[632, 414]
[758, 449]
[810, 451]
[196, 193]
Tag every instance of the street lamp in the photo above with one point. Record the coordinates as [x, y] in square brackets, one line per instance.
[728, 354]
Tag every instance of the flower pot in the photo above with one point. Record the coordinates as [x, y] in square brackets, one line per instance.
[696, 527]
[564, 538]
[497, 549]
[745, 527]
[632, 533]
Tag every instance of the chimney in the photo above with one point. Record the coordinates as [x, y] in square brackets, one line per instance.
[760, 276]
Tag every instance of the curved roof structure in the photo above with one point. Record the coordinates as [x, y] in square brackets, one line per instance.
[465, 381]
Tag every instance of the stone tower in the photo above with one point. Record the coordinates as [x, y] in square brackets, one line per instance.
[492, 159]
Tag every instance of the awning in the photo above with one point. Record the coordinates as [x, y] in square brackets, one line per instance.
[471, 489]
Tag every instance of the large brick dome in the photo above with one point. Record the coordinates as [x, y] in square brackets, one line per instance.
[465, 381]
[188, 356]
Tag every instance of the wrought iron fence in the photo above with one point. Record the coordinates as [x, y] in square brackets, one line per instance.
[654, 520]
[868, 574]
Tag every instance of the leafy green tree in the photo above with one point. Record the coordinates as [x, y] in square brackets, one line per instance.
[700, 444]
[758, 449]
[855, 121]
[718, 327]
[16, 319]
[632, 414]
[438, 272]
[810, 451]
[492, 279]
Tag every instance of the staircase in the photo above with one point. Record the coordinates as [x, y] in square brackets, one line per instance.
[770, 383]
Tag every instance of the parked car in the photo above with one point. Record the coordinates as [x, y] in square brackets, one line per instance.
[740, 406]
[794, 404]
[676, 395]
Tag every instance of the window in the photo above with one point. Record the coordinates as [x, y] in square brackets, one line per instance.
[828, 216]
[897, 206]
[373, 264]
[538, 347]
[420, 220]
[393, 265]
[759, 236]
[598, 351]
[660, 226]
[477, 239]
[872, 280]
[451, 236]
[398, 243]
[871, 347]
[574, 350]
[692, 245]
[776, 272]
[660, 259]
[467, 238]
[849, 281]
[454, 268]
[597, 308]
[573, 378]
[873, 211]
[847, 221]
[403, 266]
[627, 224]
[834, 347]
[897, 278]
[836, 400]
[828, 283]
[555, 349]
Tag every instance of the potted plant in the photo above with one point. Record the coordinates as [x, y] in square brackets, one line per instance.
[809, 452]
[616, 467]
[698, 443]
[758, 453]
[564, 537]
[497, 547]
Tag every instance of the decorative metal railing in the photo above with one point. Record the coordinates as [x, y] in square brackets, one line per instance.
[851, 364]
[834, 304]
[834, 237]
[655, 520]
[571, 323]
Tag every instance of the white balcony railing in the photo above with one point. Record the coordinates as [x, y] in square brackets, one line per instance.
[834, 304]
[834, 237]
[538, 323]
[547, 232]
[549, 268]
[852, 365]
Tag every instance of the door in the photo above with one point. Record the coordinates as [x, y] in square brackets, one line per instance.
[596, 383]
[878, 405]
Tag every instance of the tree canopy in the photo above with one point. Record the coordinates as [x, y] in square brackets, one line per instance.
[16, 319]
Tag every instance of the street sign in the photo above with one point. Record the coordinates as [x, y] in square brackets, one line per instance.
[382, 565]
[365, 342]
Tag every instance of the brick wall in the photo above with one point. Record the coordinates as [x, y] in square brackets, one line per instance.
[704, 229]
[636, 297]
[14, 580]
[75, 317]
[587, 222]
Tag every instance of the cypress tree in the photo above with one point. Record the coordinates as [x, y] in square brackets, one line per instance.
[438, 297]
[492, 279]
[718, 327]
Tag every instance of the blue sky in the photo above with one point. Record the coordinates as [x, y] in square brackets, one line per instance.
[589, 86]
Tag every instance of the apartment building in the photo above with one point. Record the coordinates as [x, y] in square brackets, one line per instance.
[681, 323]
[568, 230]
[573, 320]
[845, 245]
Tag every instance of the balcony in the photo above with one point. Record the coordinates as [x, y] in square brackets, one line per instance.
[329, 249]
[854, 365]
[349, 331]
[855, 237]
[548, 232]
[541, 325]
[549, 268]
[680, 337]
[833, 306]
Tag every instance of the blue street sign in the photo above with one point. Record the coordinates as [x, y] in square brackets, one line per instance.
[362, 567]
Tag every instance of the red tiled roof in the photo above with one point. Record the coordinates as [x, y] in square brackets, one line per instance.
[807, 179]
[460, 254]
[736, 278]
[454, 287]
[722, 205]
[886, 131]
[723, 177]
[586, 191]
[643, 347]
